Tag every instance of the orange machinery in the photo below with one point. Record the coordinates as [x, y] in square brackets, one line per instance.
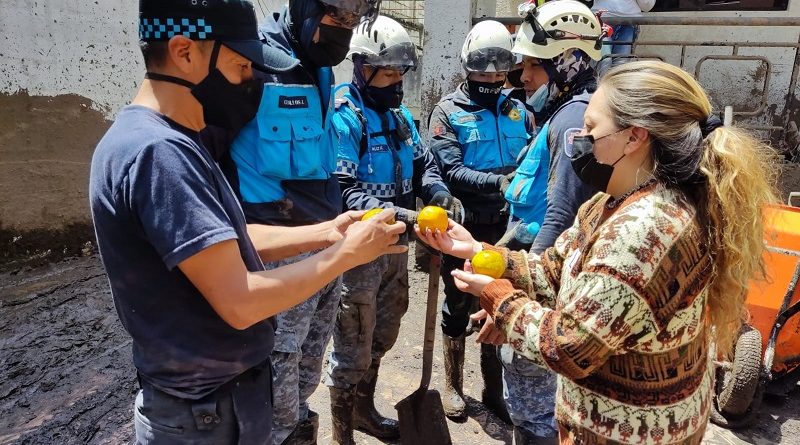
[768, 348]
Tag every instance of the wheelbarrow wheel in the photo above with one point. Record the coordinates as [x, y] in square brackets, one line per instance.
[737, 386]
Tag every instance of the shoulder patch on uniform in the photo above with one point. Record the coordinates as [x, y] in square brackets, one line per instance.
[468, 118]
[438, 130]
[514, 115]
[569, 134]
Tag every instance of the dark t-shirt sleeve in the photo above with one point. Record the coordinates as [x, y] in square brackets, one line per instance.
[171, 193]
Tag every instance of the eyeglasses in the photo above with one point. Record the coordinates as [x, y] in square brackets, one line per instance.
[593, 139]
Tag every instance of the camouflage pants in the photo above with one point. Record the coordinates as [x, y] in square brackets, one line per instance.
[374, 299]
[530, 392]
[301, 336]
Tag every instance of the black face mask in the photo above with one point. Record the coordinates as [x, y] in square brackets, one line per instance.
[586, 165]
[225, 105]
[332, 46]
[485, 94]
[515, 78]
[382, 99]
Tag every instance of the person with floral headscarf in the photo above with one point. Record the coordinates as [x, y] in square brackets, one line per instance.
[556, 41]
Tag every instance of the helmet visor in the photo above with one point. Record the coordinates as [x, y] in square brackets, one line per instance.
[352, 11]
[498, 59]
[401, 56]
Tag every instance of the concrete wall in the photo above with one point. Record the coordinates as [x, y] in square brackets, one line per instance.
[447, 23]
[65, 68]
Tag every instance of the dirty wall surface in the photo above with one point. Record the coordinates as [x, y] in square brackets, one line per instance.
[65, 68]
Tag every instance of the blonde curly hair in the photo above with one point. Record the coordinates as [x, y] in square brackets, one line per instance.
[726, 173]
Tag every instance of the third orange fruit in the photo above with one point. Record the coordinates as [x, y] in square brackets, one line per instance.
[488, 262]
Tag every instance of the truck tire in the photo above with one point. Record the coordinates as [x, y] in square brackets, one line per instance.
[736, 390]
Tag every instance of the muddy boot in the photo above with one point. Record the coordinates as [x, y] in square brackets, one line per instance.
[492, 371]
[365, 417]
[453, 394]
[305, 433]
[342, 415]
[525, 437]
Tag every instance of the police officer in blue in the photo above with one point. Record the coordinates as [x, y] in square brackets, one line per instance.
[476, 134]
[381, 163]
[283, 165]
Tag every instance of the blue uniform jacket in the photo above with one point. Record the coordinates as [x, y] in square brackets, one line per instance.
[474, 148]
[285, 158]
[527, 193]
[565, 191]
[368, 175]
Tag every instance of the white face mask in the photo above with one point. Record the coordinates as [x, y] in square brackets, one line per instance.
[538, 99]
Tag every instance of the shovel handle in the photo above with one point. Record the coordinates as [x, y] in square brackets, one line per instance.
[430, 318]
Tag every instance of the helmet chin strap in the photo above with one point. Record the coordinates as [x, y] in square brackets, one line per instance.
[212, 65]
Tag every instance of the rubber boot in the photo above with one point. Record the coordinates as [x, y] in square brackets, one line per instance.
[342, 415]
[305, 433]
[492, 371]
[525, 437]
[365, 417]
[453, 394]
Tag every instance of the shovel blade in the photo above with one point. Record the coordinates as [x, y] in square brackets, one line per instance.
[422, 419]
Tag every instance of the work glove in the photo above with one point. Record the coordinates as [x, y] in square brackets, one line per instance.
[450, 203]
[409, 217]
[505, 181]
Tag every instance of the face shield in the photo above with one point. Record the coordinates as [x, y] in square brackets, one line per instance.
[402, 56]
[488, 60]
[349, 13]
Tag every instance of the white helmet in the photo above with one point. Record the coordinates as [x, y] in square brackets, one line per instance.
[385, 44]
[487, 49]
[551, 29]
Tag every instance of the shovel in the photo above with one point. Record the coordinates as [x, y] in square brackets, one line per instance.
[421, 415]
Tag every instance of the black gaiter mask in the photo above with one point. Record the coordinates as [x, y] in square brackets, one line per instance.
[384, 98]
[331, 47]
[485, 94]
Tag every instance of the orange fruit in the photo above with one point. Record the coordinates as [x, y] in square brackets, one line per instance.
[488, 262]
[432, 217]
[374, 212]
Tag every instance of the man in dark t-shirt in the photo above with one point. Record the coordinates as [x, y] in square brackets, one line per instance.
[185, 269]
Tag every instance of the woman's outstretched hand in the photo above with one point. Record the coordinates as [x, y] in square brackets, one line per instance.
[469, 282]
[455, 241]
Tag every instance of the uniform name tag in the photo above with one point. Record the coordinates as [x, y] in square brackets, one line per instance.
[292, 102]
[378, 148]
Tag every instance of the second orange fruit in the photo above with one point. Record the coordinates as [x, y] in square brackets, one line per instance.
[432, 217]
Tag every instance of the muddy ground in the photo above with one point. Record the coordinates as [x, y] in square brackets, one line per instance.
[66, 374]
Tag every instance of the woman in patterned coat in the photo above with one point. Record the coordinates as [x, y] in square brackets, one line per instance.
[626, 303]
